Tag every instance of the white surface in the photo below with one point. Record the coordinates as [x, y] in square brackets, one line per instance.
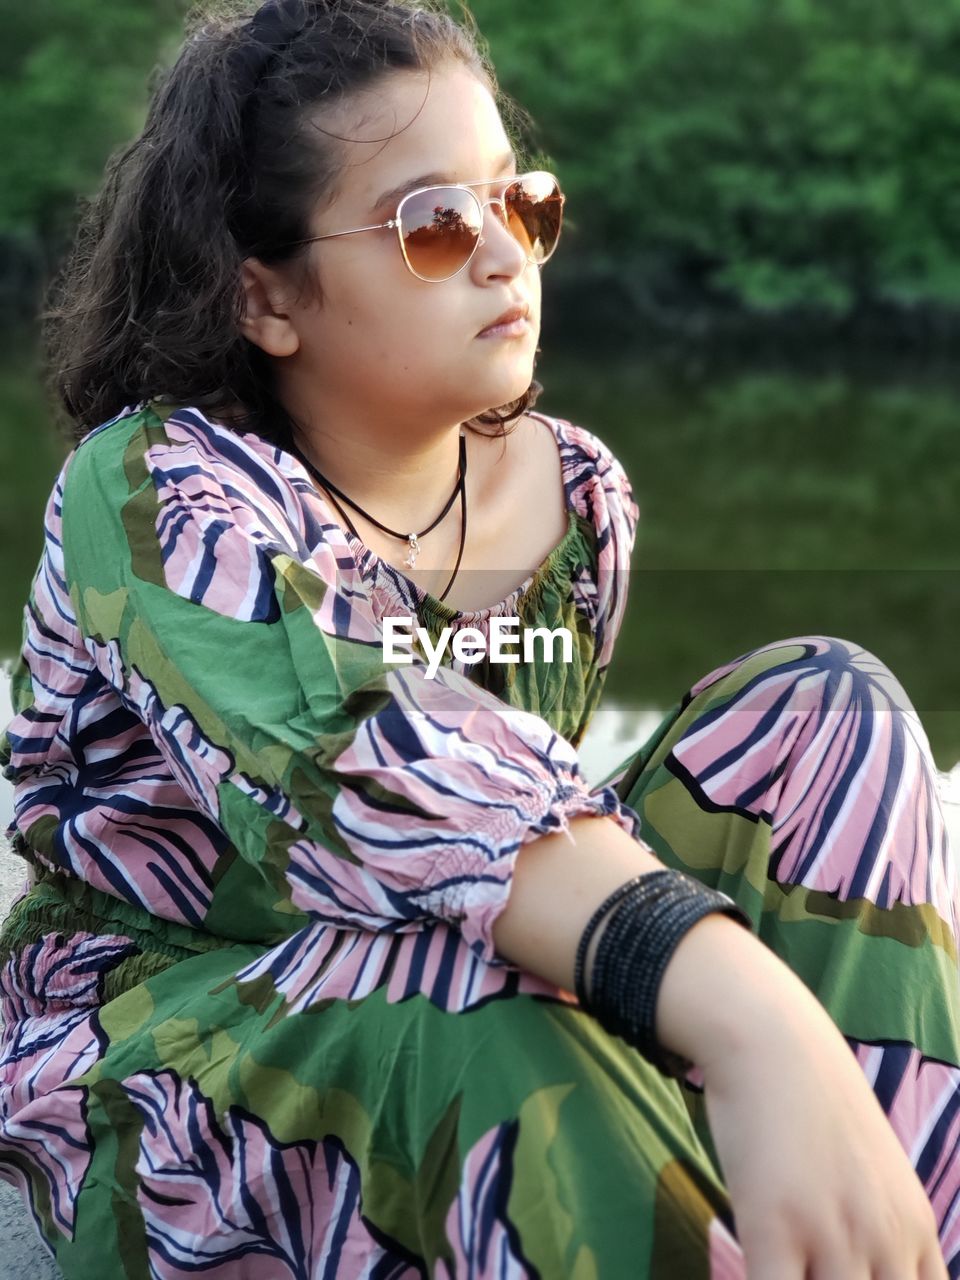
[23, 1255]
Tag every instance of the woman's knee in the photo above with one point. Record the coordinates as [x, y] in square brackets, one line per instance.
[803, 673]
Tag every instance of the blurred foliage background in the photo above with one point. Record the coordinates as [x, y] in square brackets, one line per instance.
[762, 154]
[756, 300]
[759, 155]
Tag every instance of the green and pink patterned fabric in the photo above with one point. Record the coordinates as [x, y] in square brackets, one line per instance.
[254, 1021]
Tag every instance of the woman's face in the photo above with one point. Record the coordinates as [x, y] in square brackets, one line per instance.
[384, 347]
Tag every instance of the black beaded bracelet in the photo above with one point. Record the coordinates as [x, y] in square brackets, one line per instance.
[646, 919]
[598, 915]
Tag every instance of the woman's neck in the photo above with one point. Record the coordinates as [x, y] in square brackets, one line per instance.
[400, 479]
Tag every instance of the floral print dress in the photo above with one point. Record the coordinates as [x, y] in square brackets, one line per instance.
[254, 1022]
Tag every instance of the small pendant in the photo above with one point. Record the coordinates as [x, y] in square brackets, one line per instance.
[411, 559]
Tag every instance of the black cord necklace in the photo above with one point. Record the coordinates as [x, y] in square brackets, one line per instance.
[412, 539]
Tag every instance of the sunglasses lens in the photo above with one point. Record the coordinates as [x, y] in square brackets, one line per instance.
[535, 206]
[440, 229]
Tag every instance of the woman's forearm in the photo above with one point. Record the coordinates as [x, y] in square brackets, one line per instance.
[721, 980]
[556, 888]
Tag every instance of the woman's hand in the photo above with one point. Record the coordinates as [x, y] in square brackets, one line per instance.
[820, 1185]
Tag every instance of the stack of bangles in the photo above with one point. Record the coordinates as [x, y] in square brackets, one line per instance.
[646, 919]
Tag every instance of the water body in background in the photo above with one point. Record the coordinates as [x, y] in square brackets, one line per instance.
[6, 790]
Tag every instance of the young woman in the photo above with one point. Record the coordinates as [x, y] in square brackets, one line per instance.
[326, 968]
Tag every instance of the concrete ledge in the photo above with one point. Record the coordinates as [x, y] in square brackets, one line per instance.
[23, 1256]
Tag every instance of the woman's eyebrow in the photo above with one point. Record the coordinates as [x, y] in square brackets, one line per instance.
[429, 179]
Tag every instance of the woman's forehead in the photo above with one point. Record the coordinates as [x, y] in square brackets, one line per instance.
[444, 125]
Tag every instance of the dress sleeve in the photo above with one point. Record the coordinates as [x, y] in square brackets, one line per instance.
[240, 632]
[598, 487]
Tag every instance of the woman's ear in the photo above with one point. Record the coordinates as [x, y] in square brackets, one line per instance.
[266, 322]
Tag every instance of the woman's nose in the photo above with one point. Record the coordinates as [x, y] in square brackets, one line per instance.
[500, 213]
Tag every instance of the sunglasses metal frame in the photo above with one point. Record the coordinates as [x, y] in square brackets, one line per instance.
[397, 222]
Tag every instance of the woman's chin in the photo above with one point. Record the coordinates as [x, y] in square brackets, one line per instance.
[505, 385]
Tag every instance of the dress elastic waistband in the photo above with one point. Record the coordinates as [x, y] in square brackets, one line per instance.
[57, 903]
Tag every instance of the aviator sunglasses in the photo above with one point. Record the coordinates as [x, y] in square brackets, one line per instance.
[440, 227]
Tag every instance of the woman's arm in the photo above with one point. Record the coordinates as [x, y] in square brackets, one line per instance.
[820, 1184]
[557, 886]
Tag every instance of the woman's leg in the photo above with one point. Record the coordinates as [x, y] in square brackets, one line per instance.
[798, 779]
[349, 1104]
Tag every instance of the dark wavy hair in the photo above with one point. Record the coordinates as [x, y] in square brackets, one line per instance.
[148, 301]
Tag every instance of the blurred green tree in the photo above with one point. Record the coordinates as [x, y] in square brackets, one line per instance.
[775, 152]
[764, 154]
[74, 76]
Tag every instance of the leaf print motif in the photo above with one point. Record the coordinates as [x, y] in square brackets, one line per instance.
[50, 1037]
[485, 1242]
[227, 1201]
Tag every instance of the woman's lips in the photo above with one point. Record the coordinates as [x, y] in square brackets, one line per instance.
[511, 329]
